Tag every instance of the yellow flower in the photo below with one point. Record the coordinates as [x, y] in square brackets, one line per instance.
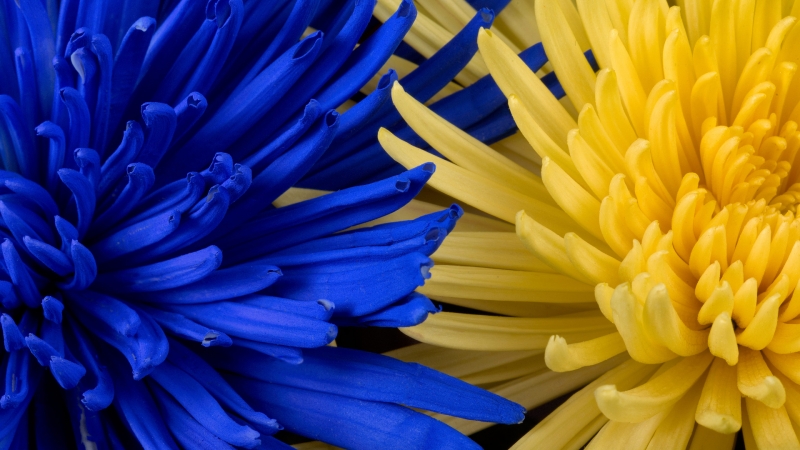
[667, 193]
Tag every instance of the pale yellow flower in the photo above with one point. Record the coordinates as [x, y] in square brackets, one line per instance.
[668, 200]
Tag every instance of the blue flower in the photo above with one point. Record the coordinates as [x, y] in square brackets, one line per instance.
[151, 295]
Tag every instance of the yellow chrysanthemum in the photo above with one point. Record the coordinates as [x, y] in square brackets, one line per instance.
[668, 196]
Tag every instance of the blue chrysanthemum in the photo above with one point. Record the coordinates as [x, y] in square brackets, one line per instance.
[151, 294]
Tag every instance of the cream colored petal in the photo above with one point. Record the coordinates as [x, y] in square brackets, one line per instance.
[580, 410]
[488, 249]
[481, 283]
[536, 389]
[477, 332]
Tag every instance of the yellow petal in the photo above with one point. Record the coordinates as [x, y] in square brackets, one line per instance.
[744, 303]
[558, 428]
[626, 312]
[759, 332]
[786, 339]
[472, 188]
[663, 323]
[564, 53]
[498, 250]
[611, 111]
[771, 426]
[591, 262]
[676, 428]
[721, 301]
[572, 198]
[562, 357]
[720, 406]
[722, 339]
[547, 246]
[482, 283]
[478, 332]
[756, 381]
[705, 438]
[514, 77]
[630, 86]
[654, 396]
[788, 364]
[463, 149]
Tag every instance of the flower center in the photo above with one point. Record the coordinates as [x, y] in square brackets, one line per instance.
[709, 194]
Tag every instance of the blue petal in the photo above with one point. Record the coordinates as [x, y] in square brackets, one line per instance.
[34, 192]
[230, 13]
[189, 112]
[356, 288]
[409, 311]
[22, 154]
[136, 236]
[241, 111]
[114, 167]
[179, 271]
[102, 393]
[55, 157]
[140, 180]
[261, 158]
[20, 275]
[84, 195]
[79, 118]
[115, 314]
[26, 78]
[52, 309]
[202, 406]
[128, 64]
[375, 377]
[220, 285]
[88, 162]
[184, 328]
[368, 57]
[283, 227]
[85, 268]
[260, 325]
[12, 337]
[160, 121]
[43, 45]
[101, 47]
[186, 430]
[137, 409]
[351, 423]
[213, 382]
[51, 257]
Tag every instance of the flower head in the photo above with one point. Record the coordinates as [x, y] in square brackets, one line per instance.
[145, 216]
[667, 191]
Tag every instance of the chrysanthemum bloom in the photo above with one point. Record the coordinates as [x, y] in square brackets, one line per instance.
[125, 253]
[668, 195]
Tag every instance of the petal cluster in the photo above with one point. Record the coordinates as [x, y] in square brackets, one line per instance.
[663, 188]
[162, 283]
